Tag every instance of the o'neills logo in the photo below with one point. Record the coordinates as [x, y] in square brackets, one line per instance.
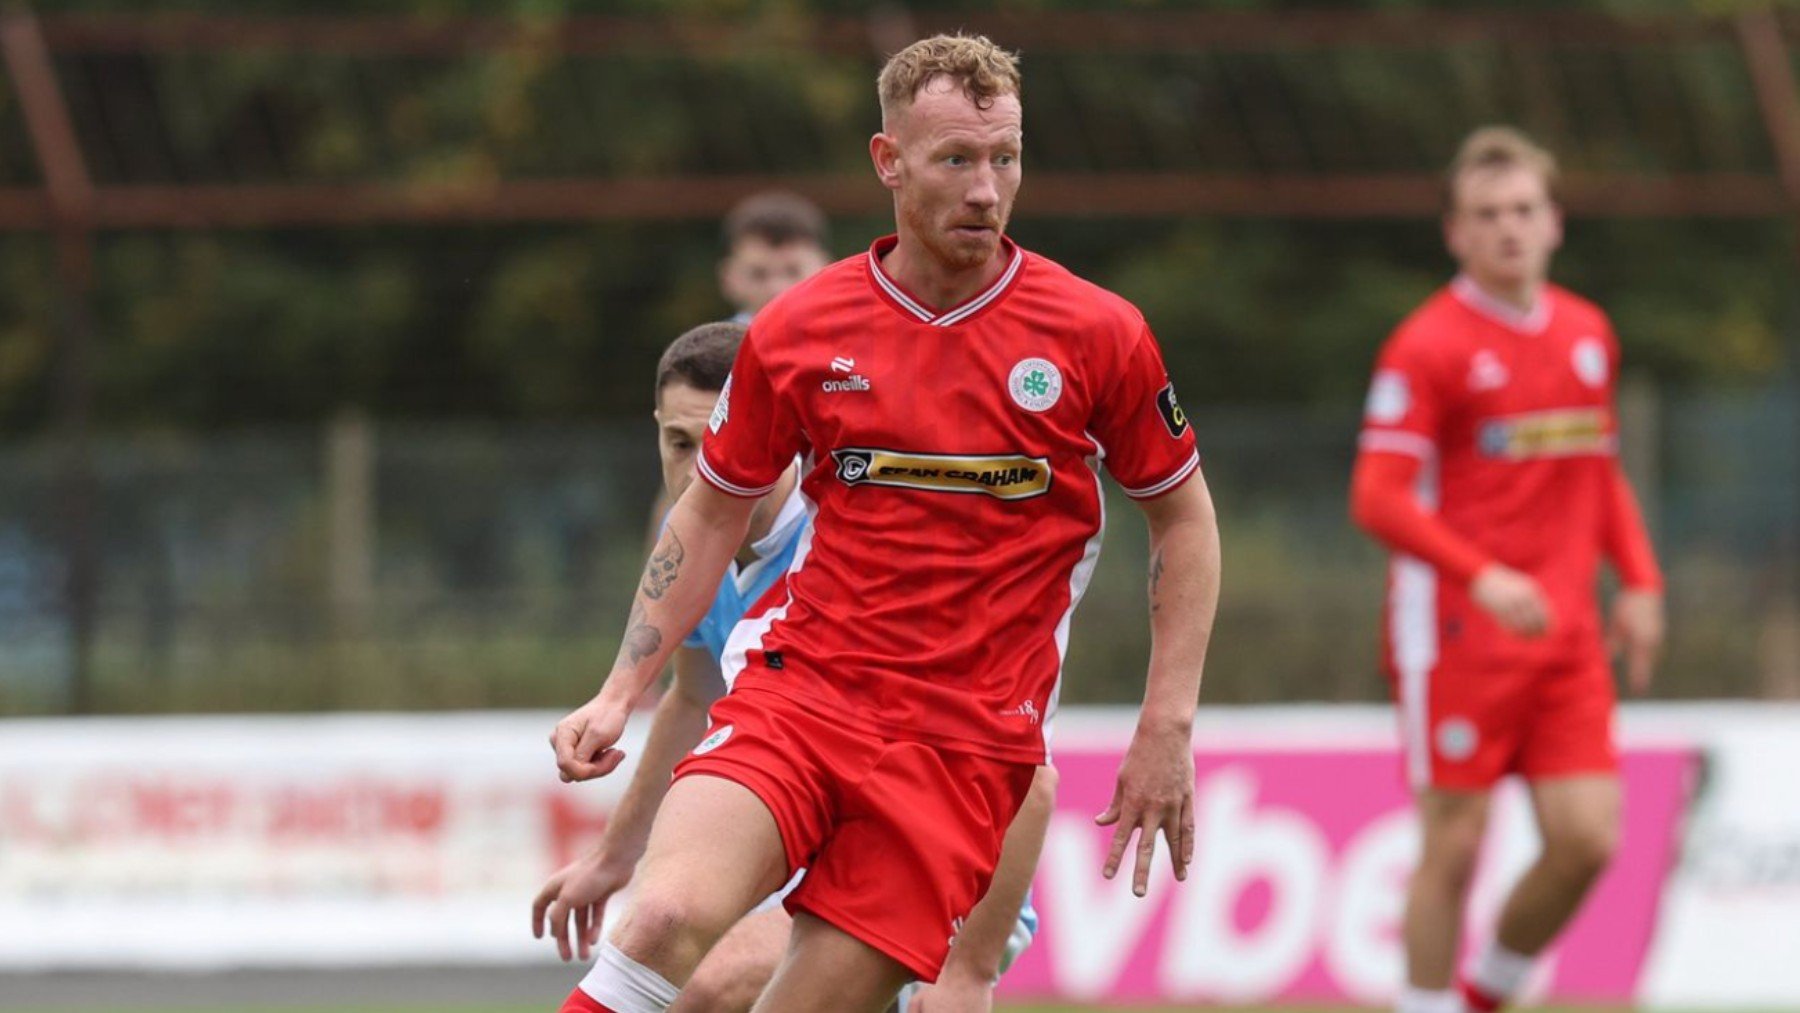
[1002, 476]
[847, 385]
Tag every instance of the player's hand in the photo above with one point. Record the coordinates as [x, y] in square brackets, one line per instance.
[1636, 634]
[573, 902]
[584, 740]
[1155, 793]
[1513, 599]
[953, 993]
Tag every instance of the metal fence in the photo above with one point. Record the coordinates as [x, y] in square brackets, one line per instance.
[397, 567]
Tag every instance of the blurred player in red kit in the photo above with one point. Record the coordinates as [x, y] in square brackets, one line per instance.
[951, 397]
[1488, 464]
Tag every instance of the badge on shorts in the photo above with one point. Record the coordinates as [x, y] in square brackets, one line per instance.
[1035, 384]
[1457, 739]
[713, 741]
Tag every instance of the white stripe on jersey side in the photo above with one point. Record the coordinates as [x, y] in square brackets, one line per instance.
[989, 296]
[713, 477]
[1079, 577]
[894, 290]
[748, 634]
[1171, 482]
[1412, 632]
[1397, 442]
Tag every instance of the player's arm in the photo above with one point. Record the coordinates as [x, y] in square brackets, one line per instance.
[578, 892]
[1636, 629]
[974, 963]
[702, 534]
[1155, 791]
[1382, 503]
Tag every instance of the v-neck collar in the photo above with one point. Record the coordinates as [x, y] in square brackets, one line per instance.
[1532, 321]
[911, 306]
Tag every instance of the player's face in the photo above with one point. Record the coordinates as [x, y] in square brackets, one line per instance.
[954, 169]
[682, 411]
[756, 271]
[1504, 226]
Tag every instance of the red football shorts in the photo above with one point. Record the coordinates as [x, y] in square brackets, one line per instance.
[899, 840]
[1463, 730]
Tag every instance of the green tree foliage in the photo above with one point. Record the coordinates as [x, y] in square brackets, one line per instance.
[232, 328]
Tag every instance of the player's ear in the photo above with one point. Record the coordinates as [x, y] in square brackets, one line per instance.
[884, 151]
[1451, 242]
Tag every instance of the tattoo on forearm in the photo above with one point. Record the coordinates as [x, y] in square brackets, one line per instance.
[664, 566]
[641, 639]
[1156, 572]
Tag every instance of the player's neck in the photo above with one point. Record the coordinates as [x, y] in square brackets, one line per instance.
[1522, 296]
[938, 286]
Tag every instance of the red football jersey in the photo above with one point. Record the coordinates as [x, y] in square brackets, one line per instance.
[950, 465]
[1512, 414]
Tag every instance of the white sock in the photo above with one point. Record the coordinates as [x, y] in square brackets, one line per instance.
[1499, 972]
[1428, 1000]
[621, 983]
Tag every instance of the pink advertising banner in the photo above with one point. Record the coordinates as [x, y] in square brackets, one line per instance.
[1298, 884]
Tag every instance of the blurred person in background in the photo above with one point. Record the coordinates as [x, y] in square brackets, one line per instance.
[572, 903]
[773, 241]
[1488, 464]
[891, 700]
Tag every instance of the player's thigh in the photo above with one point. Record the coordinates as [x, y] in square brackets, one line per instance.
[1579, 818]
[713, 853]
[739, 966]
[827, 970]
[1569, 731]
[933, 823]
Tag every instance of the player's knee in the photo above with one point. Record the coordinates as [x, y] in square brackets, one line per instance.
[1451, 850]
[1583, 851]
[658, 926]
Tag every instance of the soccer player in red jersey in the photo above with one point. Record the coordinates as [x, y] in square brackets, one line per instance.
[952, 397]
[1489, 465]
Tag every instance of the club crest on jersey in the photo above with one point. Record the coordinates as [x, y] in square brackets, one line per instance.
[713, 741]
[1174, 418]
[1035, 384]
[721, 408]
[1002, 476]
[1589, 359]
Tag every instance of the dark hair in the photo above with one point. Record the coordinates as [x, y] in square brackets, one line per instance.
[702, 357]
[777, 218]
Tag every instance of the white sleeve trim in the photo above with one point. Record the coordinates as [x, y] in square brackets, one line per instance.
[1395, 441]
[713, 478]
[1180, 476]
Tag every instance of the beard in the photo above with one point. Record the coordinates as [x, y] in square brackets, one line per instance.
[954, 252]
